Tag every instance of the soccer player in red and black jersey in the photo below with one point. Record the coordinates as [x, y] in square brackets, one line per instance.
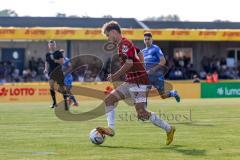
[134, 87]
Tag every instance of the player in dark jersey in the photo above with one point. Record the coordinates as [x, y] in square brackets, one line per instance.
[134, 87]
[54, 59]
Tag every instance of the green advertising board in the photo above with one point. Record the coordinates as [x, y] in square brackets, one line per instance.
[220, 90]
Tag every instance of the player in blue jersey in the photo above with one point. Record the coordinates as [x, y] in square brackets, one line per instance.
[155, 65]
[68, 79]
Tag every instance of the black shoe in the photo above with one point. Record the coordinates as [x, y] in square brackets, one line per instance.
[53, 105]
[66, 107]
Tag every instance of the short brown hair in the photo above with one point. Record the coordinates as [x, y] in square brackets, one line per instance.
[148, 34]
[112, 25]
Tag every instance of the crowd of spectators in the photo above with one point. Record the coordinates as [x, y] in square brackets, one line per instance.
[220, 66]
[32, 73]
[182, 68]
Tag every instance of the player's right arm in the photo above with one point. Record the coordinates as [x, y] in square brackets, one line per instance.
[140, 55]
[46, 69]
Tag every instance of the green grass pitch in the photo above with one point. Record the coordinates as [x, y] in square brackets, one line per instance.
[206, 129]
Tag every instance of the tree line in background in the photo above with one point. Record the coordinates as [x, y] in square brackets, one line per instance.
[170, 17]
[8, 13]
[173, 18]
[12, 13]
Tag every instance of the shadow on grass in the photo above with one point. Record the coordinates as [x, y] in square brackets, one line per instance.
[186, 151]
[176, 148]
[129, 147]
[195, 124]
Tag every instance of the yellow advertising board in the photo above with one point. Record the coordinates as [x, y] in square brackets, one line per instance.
[39, 92]
[63, 33]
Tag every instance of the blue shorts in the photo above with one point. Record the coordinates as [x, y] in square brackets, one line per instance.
[157, 82]
[68, 81]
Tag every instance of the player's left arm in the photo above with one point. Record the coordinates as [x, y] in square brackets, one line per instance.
[122, 71]
[162, 61]
[129, 51]
[60, 59]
